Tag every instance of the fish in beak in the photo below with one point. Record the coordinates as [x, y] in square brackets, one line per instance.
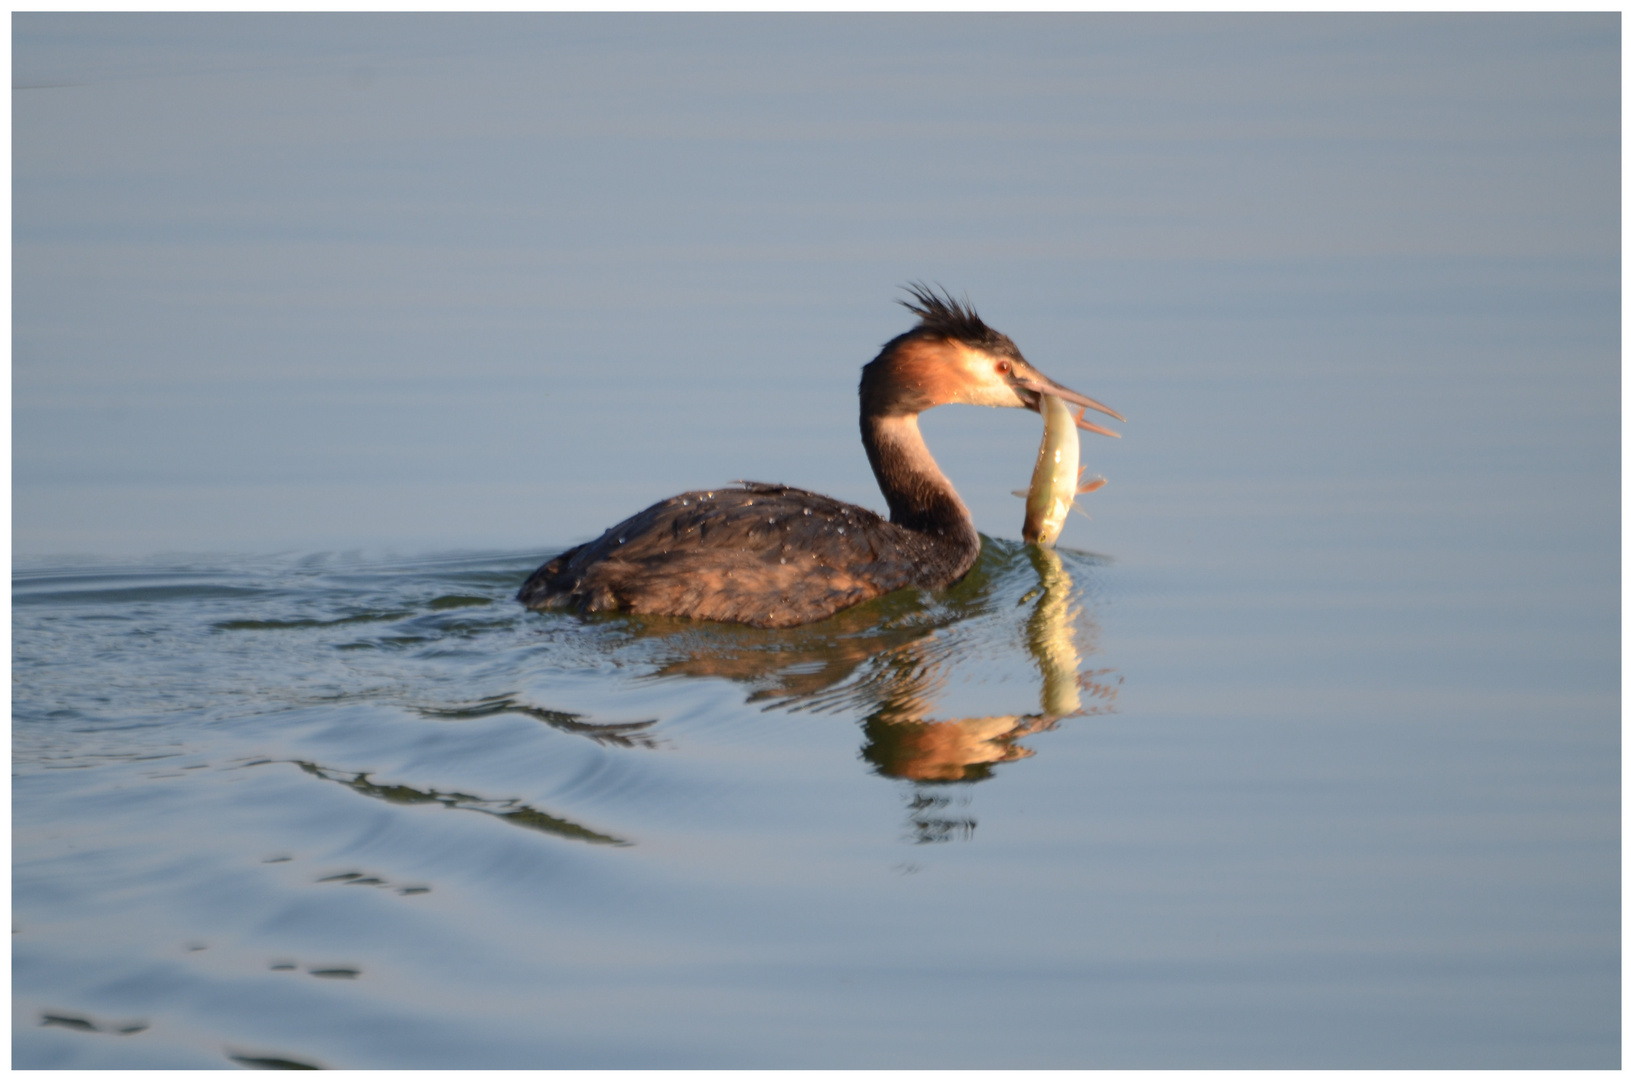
[1032, 385]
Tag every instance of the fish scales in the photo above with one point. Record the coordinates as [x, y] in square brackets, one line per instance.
[1054, 481]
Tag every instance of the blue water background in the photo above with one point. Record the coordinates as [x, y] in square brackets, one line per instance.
[320, 318]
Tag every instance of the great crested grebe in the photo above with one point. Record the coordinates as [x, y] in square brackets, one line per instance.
[770, 555]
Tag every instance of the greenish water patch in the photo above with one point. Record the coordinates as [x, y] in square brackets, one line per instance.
[251, 1061]
[444, 603]
[511, 811]
[307, 624]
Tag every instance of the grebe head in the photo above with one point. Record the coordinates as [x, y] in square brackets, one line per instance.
[952, 357]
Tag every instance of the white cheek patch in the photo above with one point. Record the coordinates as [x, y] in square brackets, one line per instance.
[982, 385]
[996, 393]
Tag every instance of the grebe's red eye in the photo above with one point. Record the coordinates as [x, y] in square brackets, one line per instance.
[1003, 367]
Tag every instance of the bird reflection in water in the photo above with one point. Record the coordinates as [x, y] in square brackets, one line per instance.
[891, 660]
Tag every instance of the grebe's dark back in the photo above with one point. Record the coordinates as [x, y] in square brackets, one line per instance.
[770, 555]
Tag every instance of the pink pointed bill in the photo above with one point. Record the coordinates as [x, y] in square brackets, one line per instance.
[1041, 384]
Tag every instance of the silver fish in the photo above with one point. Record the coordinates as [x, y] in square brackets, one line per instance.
[1056, 480]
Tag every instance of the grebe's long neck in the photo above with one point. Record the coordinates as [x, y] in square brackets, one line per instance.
[919, 495]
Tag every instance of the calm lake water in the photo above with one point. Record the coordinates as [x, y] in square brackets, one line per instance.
[1304, 751]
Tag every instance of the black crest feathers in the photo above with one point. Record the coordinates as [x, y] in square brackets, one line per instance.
[943, 316]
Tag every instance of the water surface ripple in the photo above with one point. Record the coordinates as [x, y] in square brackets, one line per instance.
[230, 779]
[326, 810]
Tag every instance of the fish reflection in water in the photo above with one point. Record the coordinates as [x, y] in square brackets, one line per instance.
[903, 741]
[892, 658]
